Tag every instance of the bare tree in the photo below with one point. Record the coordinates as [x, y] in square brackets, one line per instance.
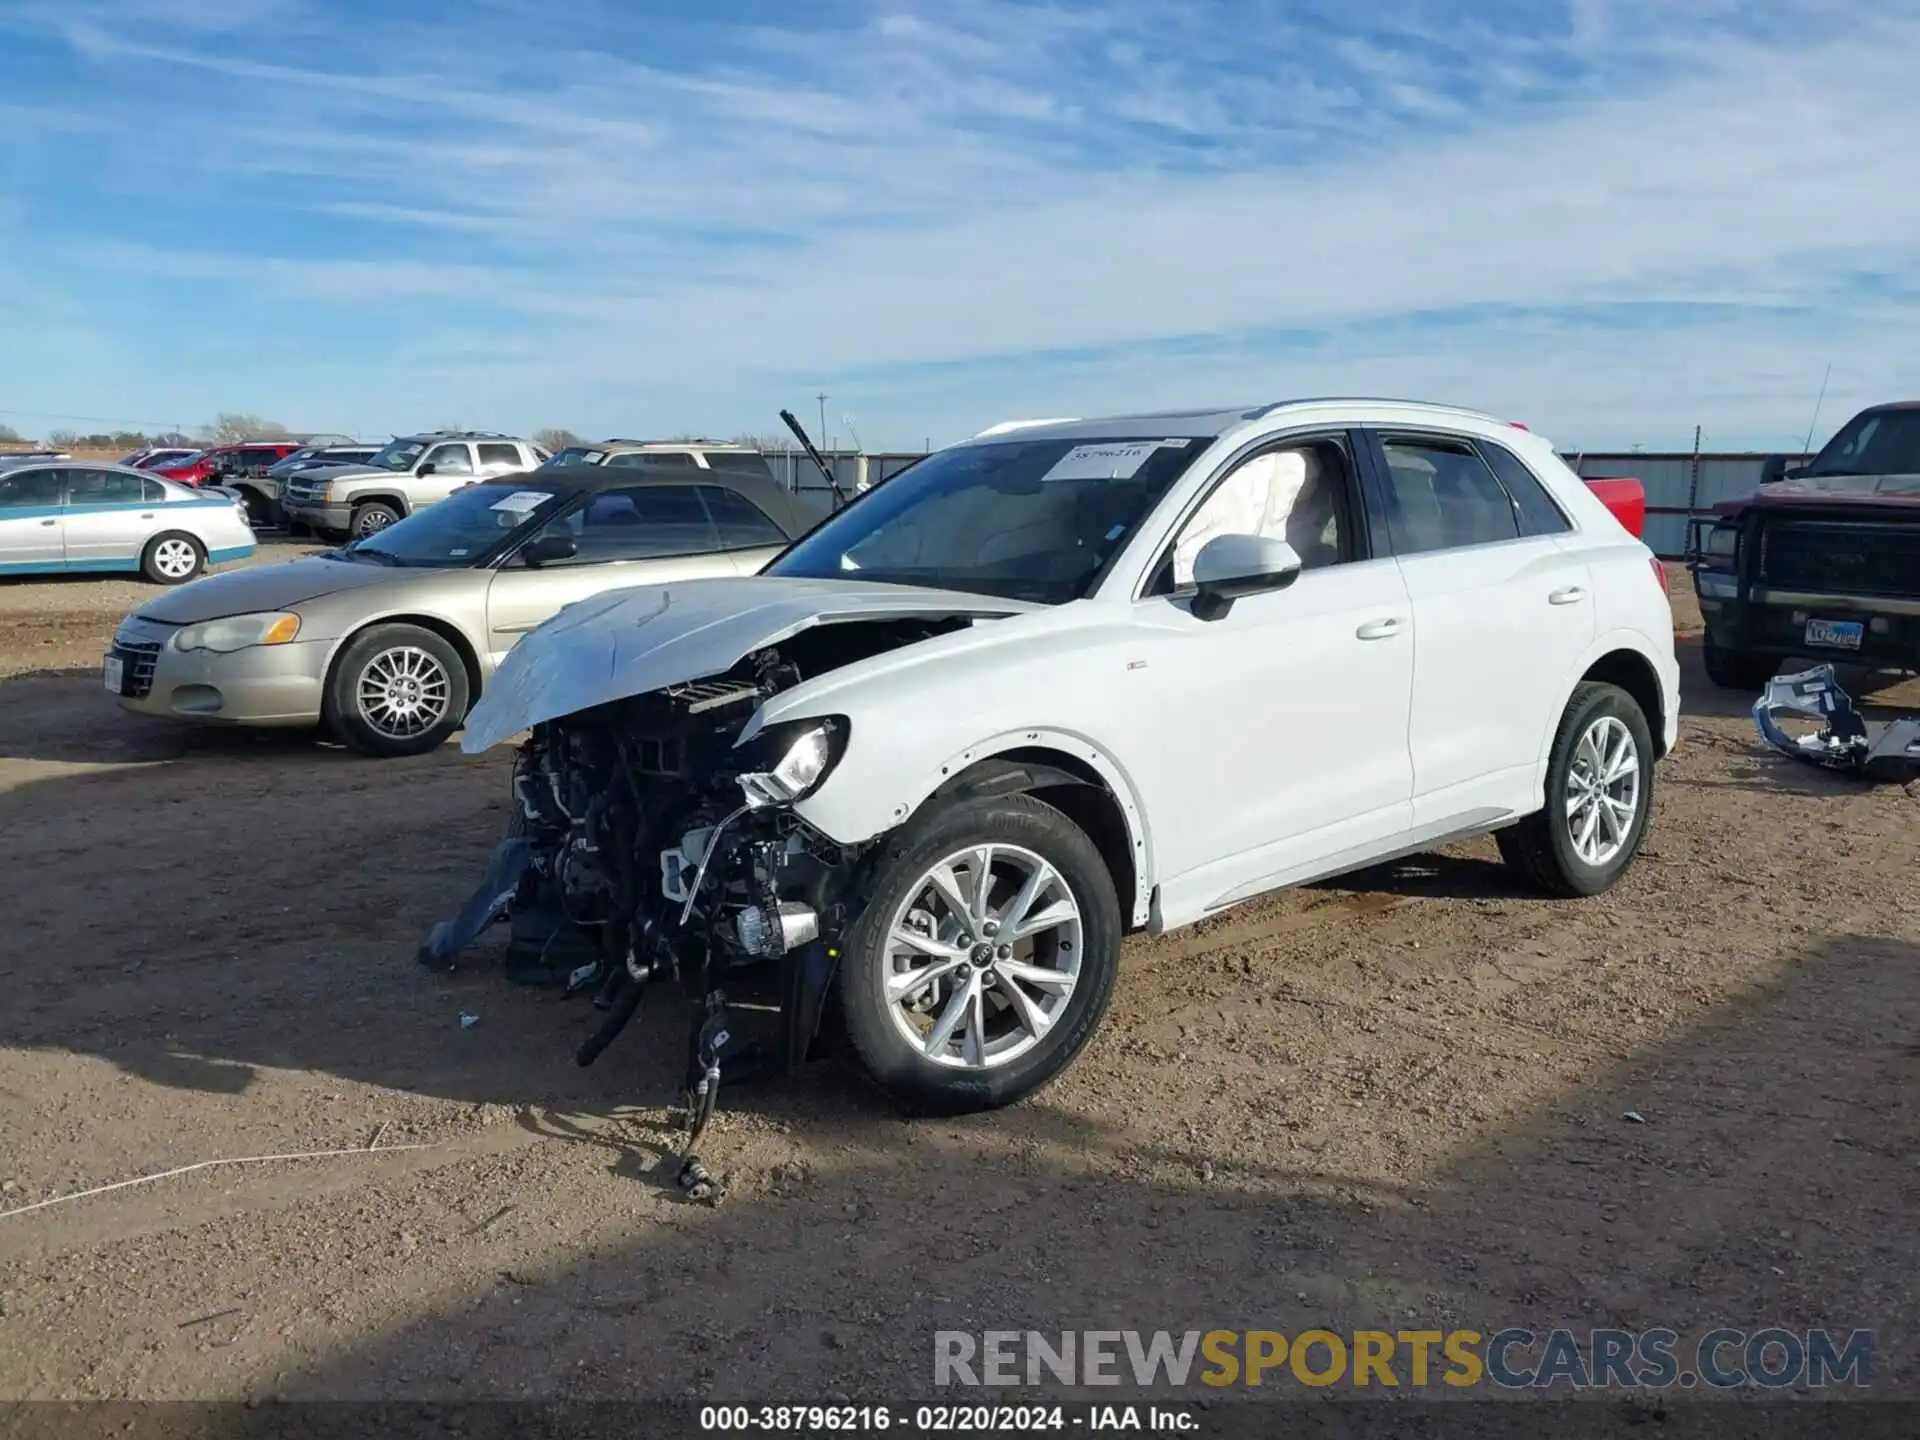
[768, 444]
[63, 439]
[9, 435]
[555, 439]
[229, 429]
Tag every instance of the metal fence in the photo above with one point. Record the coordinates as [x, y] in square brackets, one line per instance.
[1679, 484]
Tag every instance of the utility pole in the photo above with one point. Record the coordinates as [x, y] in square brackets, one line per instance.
[823, 397]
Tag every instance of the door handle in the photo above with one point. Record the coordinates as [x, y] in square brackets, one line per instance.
[49, 522]
[147, 516]
[1572, 595]
[1380, 629]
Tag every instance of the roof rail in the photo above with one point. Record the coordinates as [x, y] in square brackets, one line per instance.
[1260, 412]
[1007, 425]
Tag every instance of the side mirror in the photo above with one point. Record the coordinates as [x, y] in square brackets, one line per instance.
[426, 469]
[1231, 566]
[549, 548]
[1780, 467]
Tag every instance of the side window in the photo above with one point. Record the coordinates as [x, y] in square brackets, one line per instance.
[450, 460]
[1301, 493]
[1531, 502]
[738, 521]
[103, 487]
[152, 491]
[645, 523]
[29, 489]
[1442, 496]
[497, 454]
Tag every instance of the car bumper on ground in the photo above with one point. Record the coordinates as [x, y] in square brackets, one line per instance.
[1878, 630]
[263, 685]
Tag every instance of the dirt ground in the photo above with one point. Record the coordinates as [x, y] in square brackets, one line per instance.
[1391, 1102]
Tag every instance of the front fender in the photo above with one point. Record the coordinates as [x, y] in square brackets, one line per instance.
[855, 807]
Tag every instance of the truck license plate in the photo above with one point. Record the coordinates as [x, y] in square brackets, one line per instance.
[1837, 634]
[112, 673]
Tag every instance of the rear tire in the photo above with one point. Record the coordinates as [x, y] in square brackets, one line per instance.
[396, 690]
[1591, 828]
[1736, 669]
[1016, 1007]
[172, 558]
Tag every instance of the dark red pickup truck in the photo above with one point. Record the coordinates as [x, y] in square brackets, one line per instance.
[1821, 559]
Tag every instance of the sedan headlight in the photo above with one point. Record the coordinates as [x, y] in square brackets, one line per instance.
[1723, 541]
[238, 632]
[785, 763]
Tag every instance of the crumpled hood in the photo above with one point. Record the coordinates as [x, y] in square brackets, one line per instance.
[264, 587]
[628, 642]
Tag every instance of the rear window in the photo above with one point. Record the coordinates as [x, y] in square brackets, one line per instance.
[740, 523]
[657, 459]
[1531, 502]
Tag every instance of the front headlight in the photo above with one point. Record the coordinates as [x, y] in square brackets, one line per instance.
[238, 632]
[785, 763]
[1723, 541]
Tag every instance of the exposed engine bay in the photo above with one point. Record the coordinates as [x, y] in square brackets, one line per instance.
[646, 845]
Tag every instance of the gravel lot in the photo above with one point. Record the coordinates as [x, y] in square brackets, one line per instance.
[1391, 1101]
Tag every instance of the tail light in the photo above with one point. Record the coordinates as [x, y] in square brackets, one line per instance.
[1660, 574]
[1515, 424]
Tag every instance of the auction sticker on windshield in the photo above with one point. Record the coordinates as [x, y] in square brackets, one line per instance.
[1105, 462]
[522, 501]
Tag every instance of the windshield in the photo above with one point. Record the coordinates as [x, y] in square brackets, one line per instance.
[1023, 519]
[399, 455]
[576, 455]
[191, 457]
[1882, 443]
[461, 528]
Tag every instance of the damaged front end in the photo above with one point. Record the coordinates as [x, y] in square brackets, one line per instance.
[648, 844]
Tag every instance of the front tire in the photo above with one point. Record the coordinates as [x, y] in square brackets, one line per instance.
[371, 519]
[1599, 797]
[397, 690]
[172, 559]
[1736, 669]
[984, 957]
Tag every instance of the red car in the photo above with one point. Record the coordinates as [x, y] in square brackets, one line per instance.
[251, 457]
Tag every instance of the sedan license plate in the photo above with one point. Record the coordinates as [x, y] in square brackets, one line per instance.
[1836, 634]
[113, 673]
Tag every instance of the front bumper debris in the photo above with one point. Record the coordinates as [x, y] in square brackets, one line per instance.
[1880, 751]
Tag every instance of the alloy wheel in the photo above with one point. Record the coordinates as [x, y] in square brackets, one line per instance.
[1603, 791]
[982, 956]
[175, 559]
[403, 692]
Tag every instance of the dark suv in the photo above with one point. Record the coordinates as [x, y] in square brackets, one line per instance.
[1823, 559]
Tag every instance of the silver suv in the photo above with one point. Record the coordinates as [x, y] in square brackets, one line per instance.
[407, 474]
[676, 454]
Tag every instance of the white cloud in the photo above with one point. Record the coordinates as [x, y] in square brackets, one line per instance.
[740, 214]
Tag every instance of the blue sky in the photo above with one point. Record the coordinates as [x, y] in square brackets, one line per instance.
[1613, 219]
